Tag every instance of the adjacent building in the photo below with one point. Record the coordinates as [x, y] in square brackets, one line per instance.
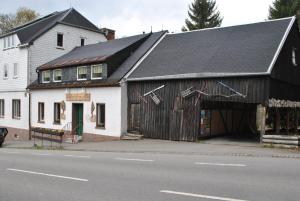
[83, 91]
[218, 81]
[26, 47]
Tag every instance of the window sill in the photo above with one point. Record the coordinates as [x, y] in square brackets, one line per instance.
[56, 123]
[5, 78]
[16, 77]
[100, 128]
[97, 78]
[81, 79]
[41, 122]
[60, 48]
[16, 118]
[45, 82]
[56, 80]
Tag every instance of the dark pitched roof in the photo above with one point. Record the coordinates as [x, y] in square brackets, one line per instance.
[27, 33]
[100, 50]
[92, 53]
[230, 51]
[137, 55]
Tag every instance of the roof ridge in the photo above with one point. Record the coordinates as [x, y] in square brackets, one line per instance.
[65, 15]
[207, 29]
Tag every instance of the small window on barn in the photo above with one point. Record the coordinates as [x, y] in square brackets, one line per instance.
[97, 71]
[41, 112]
[82, 73]
[100, 115]
[60, 40]
[56, 113]
[82, 41]
[57, 75]
[294, 57]
[46, 76]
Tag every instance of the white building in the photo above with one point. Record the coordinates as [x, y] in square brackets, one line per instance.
[26, 47]
[84, 91]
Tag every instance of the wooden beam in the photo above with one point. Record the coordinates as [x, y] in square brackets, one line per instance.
[277, 121]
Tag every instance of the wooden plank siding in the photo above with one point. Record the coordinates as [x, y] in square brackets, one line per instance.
[177, 118]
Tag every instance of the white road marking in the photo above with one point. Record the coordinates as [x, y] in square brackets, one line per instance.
[11, 152]
[41, 154]
[200, 196]
[221, 164]
[74, 156]
[134, 159]
[49, 175]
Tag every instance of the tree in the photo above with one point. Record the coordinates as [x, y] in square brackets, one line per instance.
[203, 14]
[284, 8]
[22, 16]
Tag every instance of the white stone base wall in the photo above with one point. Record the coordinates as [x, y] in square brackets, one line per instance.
[110, 96]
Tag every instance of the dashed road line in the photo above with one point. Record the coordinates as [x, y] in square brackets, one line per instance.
[75, 156]
[46, 174]
[134, 159]
[200, 196]
[221, 164]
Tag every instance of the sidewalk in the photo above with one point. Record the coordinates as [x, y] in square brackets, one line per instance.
[208, 147]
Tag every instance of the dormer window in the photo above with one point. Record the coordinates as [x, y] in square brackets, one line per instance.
[57, 75]
[97, 71]
[81, 73]
[294, 58]
[46, 76]
[8, 42]
[60, 40]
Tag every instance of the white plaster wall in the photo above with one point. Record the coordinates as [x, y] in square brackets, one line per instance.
[11, 56]
[110, 96]
[8, 121]
[44, 48]
[124, 107]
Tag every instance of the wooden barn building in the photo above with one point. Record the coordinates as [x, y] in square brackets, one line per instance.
[218, 81]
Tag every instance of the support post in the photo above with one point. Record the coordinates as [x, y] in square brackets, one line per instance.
[277, 121]
[261, 120]
[288, 121]
[296, 120]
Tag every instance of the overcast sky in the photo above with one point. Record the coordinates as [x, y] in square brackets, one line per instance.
[129, 17]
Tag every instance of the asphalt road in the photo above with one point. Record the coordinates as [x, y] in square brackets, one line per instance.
[31, 175]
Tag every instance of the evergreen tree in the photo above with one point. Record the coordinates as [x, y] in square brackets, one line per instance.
[202, 14]
[284, 8]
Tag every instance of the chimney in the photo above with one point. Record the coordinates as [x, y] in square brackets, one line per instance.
[109, 33]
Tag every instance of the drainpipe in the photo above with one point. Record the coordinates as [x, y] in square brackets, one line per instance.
[28, 92]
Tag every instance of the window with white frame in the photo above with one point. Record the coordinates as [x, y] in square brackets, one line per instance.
[46, 76]
[41, 112]
[57, 113]
[82, 41]
[81, 73]
[2, 108]
[57, 75]
[97, 71]
[8, 42]
[100, 115]
[16, 70]
[5, 71]
[16, 108]
[60, 40]
[4, 43]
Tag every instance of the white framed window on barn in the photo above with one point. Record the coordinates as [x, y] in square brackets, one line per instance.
[2, 108]
[5, 71]
[57, 75]
[56, 113]
[60, 40]
[96, 71]
[41, 112]
[16, 108]
[100, 115]
[46, 76]
[82, 73]
[16, 70]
